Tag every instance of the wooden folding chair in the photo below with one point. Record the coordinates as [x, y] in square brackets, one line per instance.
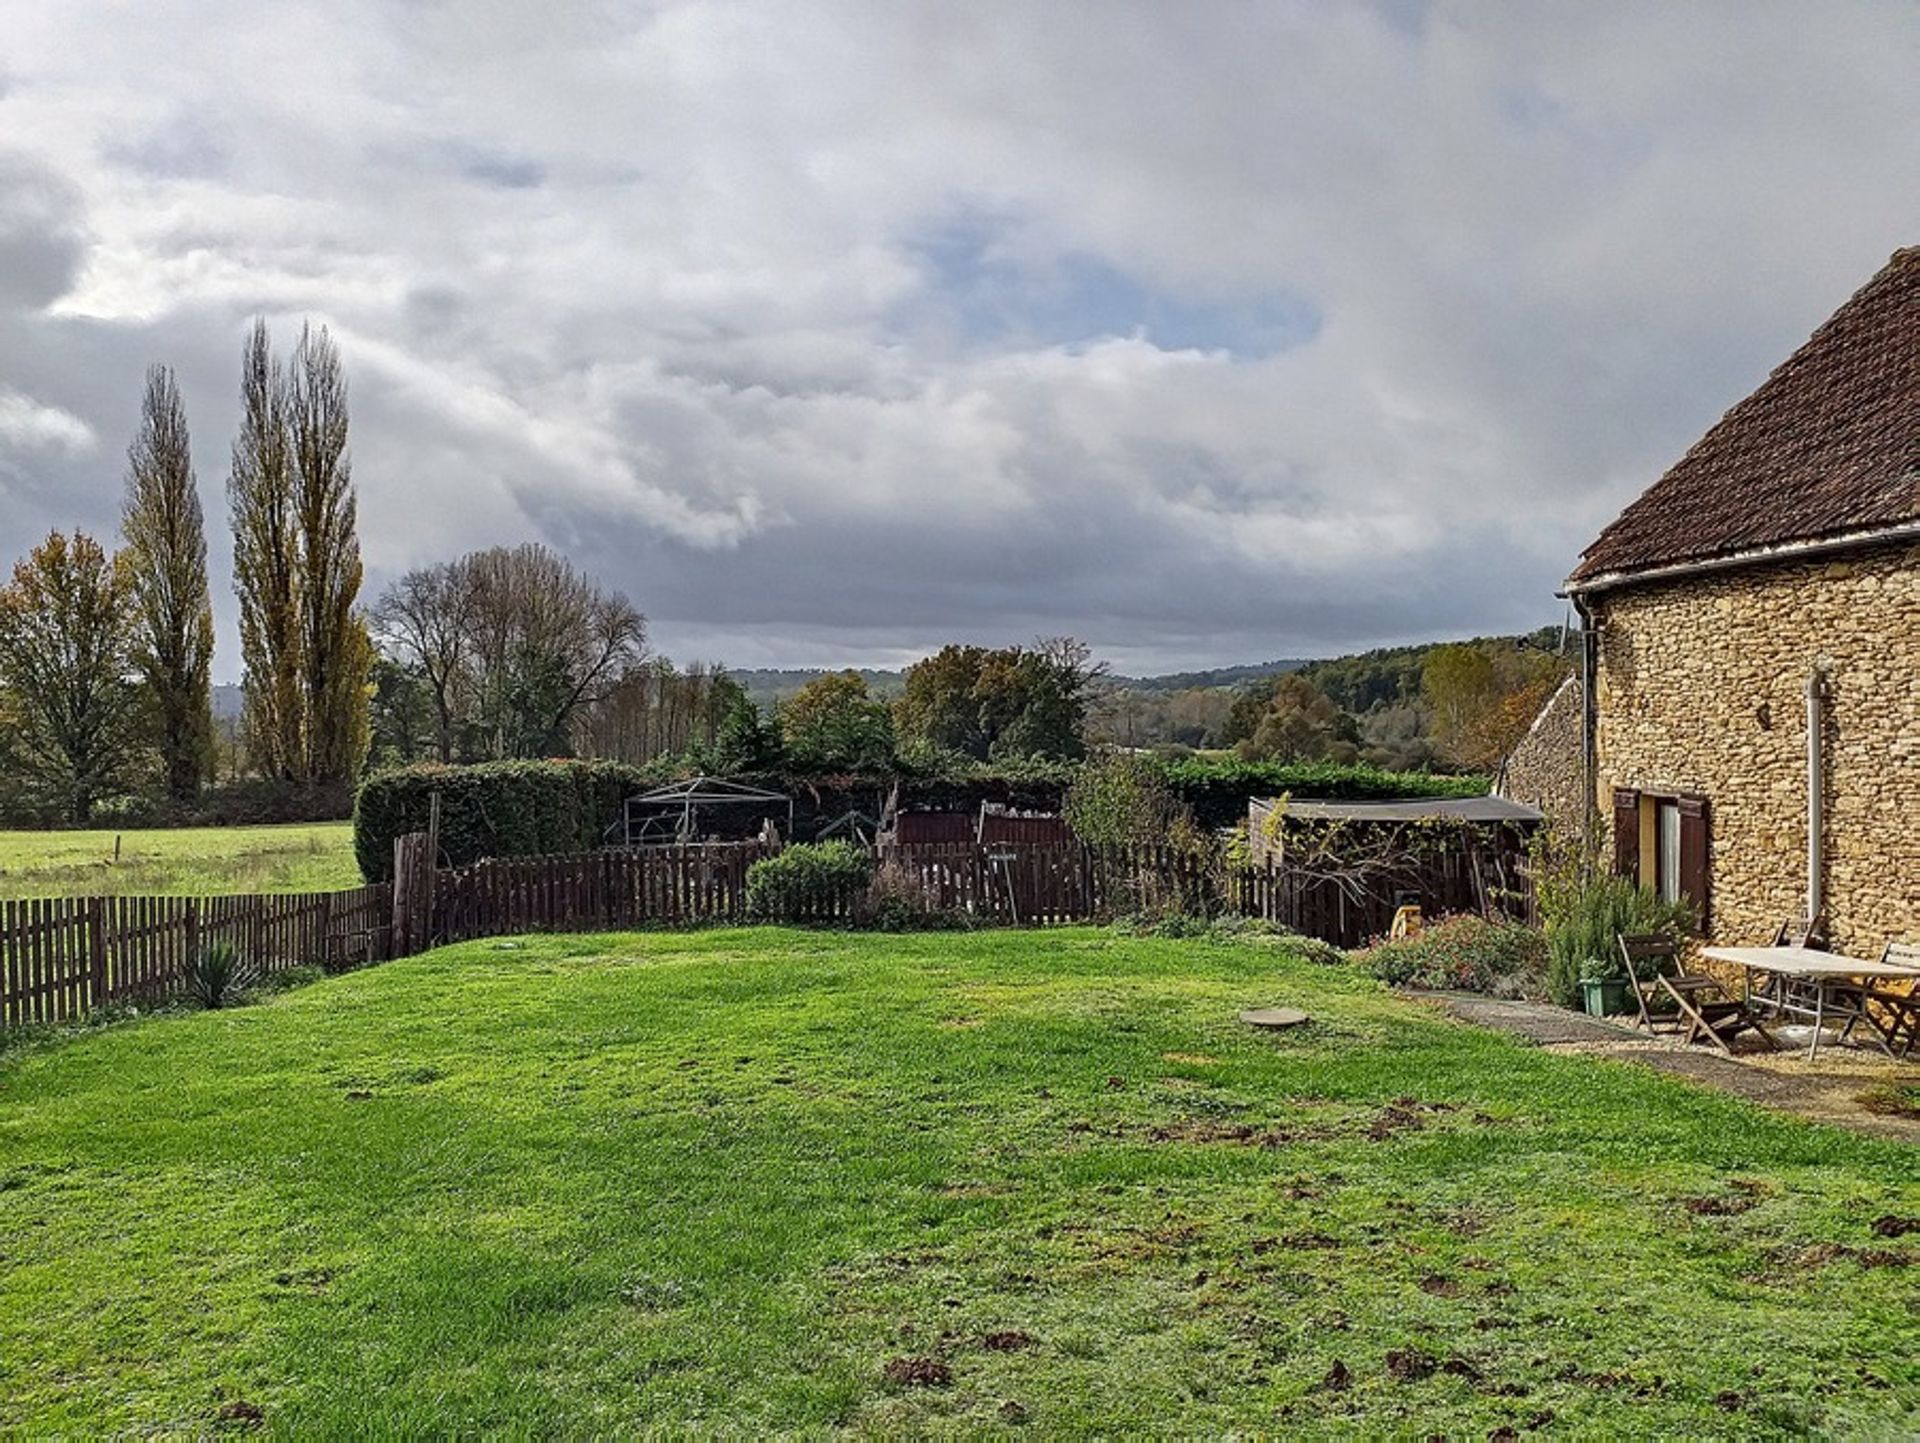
[1810, 933]
[1778, 991]
[1901, 1010]
[1704, 1015]
[1648, 955]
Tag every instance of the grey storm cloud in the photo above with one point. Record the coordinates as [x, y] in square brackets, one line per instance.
[835, 331]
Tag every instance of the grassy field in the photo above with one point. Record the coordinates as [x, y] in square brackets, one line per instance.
[766, 1179]
[306, 857]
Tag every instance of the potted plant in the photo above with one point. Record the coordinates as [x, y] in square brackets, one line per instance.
[1603, 986]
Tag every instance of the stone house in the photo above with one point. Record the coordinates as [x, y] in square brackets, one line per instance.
[1751, 728]
[1544, 769]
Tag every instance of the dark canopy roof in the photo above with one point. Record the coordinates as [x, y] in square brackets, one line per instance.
[1827, 448]
[1415, 809]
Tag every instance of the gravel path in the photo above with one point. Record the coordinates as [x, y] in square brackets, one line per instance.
[1821, 1095]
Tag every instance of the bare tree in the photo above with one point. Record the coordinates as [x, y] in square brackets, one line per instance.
[266, 566]
[427, 618]
[166, 562]
[546, 642]
[517, 648]
[655, 710]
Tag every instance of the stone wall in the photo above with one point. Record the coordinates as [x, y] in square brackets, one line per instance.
[1546, 769]
[1700, 688]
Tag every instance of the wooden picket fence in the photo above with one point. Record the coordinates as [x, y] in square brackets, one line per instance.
[60, 958]
[597, 891]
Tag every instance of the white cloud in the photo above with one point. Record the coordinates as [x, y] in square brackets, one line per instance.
[28, 426]
[654, 284]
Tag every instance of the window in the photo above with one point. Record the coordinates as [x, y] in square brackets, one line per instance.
[1666, 848]
[1660, 840]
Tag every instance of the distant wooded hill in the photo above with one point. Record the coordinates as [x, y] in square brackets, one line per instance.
[1357, 682]
[768, 685]
[1374, 706]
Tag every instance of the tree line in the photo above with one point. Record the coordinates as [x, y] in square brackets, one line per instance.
[1440, 706]
[106, 658]
[511, 652]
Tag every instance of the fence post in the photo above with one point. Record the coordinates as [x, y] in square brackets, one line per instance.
[410, 892]
[325, 931]
[96, 950]
[193, 929]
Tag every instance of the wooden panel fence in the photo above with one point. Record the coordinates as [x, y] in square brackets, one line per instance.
[61, 957]
[650, 886]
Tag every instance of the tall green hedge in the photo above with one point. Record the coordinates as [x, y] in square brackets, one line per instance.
[520, 809]
[496, 809]
[1218, 790]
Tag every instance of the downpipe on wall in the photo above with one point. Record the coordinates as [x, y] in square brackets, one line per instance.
[1816, 787]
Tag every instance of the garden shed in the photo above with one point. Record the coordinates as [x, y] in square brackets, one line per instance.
[1442, 854]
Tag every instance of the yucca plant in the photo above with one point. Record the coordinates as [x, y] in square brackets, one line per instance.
[216, 974]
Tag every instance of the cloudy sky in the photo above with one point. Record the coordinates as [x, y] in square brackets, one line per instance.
[1205, 331]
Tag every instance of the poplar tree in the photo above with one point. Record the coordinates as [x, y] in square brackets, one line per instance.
[166, 566]
[336, 653]
[266, 560]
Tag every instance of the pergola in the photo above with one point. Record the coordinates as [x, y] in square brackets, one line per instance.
[671, 813]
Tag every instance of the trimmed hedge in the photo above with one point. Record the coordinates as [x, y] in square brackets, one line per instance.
[496, 809]
[1218, 791]
[524, 809]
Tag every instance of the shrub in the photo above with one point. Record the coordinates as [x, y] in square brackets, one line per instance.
[807, 882]
[1463, 954]
[897, 901]
[1122, 799]
[1585, 917]
[1261, 932]
[496, 809]
[215, 974]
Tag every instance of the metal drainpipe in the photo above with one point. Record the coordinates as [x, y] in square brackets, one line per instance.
[1816, 786]
[1589, 715]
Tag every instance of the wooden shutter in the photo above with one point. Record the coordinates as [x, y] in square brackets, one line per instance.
[1626, 832]
[1696, 879]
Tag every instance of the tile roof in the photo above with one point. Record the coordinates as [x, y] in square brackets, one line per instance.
[1828, 446]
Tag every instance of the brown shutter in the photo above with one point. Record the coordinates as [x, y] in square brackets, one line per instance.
[1626, 832]
[1695, 877]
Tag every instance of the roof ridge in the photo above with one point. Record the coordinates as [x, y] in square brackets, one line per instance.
[1824, 445]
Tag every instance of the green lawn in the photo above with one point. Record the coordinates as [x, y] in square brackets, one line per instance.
[766, 1179]
[305, 857]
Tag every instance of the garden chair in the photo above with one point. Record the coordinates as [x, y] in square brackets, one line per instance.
[1775, 989]
[1810, 933]
[1704, 1006]
[1648, 955]
[1898, 1005]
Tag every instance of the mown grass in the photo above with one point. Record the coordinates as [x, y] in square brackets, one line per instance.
[766, 1180]
[304, 857]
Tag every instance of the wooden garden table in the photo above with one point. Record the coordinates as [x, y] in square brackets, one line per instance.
[1823, 986]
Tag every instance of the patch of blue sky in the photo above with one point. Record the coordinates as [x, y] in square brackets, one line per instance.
[991, 295]
[490, 167]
